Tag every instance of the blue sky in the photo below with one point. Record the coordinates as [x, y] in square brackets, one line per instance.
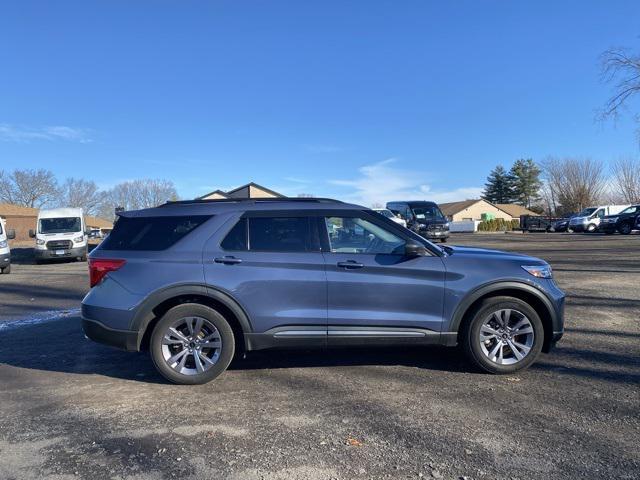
[364, 101]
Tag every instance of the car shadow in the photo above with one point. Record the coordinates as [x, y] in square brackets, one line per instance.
[60, 346]
[69, 351]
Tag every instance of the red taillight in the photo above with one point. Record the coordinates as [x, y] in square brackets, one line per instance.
[99, 267]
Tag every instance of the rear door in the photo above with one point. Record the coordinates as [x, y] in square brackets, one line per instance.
[271, 264]
[373, 287]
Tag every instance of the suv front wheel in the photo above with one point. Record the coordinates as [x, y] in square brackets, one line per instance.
[504, 335]
[192, 344]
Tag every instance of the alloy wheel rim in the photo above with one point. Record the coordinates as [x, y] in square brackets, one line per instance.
[191, 345]
[506, 336]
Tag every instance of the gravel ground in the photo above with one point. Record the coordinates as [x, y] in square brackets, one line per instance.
[70, 408]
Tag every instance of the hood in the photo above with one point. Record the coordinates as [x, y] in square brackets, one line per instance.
[493, 254]
[429, 221]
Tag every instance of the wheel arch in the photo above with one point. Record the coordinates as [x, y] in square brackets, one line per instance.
[158, 303]
[522, 291]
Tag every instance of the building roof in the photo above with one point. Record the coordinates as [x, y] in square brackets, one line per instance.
[11, 210]
[255, 185]
[218, 192]
[450, 209]
[249, 185]
[515, 210]
[97, 222]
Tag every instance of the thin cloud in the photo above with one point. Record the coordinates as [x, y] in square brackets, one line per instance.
[22, 134]
[382, 182]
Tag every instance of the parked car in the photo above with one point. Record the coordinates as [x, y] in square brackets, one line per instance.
[5, 252]
[195, 281]
[424, 218]
[385, 212]
[624, 222]
[60, 233]
[562, 224]
[589, 218]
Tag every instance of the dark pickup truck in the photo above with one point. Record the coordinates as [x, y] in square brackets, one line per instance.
[623, 222]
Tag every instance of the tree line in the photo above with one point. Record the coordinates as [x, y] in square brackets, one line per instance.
[559, 186]
[41, 189]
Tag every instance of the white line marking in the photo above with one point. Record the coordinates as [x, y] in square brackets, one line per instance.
[40, 317]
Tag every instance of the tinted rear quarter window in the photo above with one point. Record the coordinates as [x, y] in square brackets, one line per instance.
[236, 239]
[150, 233]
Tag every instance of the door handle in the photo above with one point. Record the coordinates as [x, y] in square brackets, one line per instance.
[349, 264]
[227, 260]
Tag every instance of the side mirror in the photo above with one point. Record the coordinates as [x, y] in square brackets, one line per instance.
[412, 249]
[87, 231]
[32, 233]
[11, 234]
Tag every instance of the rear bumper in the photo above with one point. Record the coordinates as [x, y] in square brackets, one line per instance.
[98, 332]
[67, 253]
[98, 324]
[578, 227]
[608, 227]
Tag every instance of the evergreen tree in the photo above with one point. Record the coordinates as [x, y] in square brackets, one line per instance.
[526, 182]
[499, 186]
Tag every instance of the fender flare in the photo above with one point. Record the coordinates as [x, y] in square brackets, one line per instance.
[482, 291]
[145, 315]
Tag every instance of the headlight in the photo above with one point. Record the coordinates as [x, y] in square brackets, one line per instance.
[78, 239]
[446, 225]
[39, 241]
[3, 244]
[539, 271]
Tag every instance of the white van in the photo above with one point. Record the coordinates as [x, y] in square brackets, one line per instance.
[60, 233]
[589, 218]
[5, 253]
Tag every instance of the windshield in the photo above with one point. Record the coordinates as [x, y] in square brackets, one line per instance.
[632, 209]
[60, 225]
[586, 212]
[427, 212]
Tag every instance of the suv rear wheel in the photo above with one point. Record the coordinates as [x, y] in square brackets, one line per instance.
[503, 336]
[192, 344]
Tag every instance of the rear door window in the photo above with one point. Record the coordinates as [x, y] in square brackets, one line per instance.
[282, 234]
[150, 233]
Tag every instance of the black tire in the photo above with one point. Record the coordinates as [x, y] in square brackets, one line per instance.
[471, 334]
[625, 228]
[7, 269]
[192, 310]
[443, 240]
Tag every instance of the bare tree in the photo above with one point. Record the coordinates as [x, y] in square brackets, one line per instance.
[573, 183]
[626, 179]
[29, 188]
[79, 193]
[137, 194]
[623, 68]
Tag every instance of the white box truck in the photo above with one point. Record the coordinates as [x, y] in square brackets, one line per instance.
[589, 218]
[5, 252]
[60, 233]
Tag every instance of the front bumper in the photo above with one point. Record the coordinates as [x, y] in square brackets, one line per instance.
[577, 227]
[42, 254]
[5, 259]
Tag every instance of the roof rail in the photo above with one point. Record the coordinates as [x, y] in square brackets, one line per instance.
[252, 200]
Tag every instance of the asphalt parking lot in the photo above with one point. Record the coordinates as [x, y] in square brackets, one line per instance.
[70, 408]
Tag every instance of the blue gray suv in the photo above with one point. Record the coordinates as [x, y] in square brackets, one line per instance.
[195, 282]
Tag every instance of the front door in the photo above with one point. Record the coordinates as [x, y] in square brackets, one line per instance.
[373, 287]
